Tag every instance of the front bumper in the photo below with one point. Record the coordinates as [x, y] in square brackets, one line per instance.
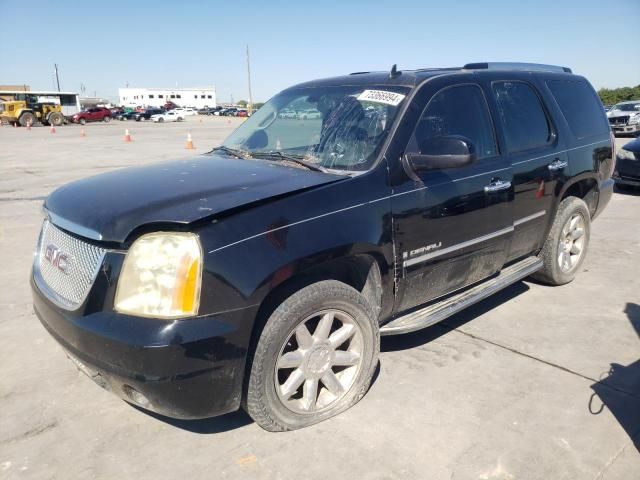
[626, 129]
[188, 369]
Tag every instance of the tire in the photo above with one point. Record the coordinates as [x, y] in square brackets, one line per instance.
[563, 240]
[336, 306]
[160, 120]
[27, 118]
[179, 119]
[83, 121]
[56, 119]
[106, 119]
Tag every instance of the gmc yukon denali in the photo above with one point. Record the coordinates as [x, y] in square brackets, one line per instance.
[263, 273]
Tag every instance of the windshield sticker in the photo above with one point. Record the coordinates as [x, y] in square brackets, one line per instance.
[381, 96]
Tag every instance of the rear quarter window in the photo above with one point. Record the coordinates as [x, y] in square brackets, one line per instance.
[580, 106]
[524, 119]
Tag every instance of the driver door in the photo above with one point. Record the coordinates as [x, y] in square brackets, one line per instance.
[452, 226]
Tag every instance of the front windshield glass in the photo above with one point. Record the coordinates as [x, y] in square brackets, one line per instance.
[339, 128]
[627, 107]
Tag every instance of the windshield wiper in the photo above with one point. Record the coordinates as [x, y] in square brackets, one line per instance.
[278, 155]
[231, 151]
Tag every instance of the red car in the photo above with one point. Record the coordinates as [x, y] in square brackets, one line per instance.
[242, 113]
[96, 114]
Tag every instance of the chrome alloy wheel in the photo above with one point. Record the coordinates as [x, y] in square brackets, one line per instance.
[315, 370]
[571, 244]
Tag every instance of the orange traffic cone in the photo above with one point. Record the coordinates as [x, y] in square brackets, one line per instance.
[15, 124]
[28, 126]
[52, 129]
[540, 190]
[228, 121]
[189, 145]
[127, 137]
[82, 134]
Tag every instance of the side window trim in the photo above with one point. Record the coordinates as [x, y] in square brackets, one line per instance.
[553, 129]
[494, 136]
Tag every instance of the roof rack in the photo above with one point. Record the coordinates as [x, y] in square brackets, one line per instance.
[539, 67]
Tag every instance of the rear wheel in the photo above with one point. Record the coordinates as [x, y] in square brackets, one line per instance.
[56, 119]
[314, 358]
[82, 121]
[566, 246]
[27, 118]
[160, 120]
[179, 119]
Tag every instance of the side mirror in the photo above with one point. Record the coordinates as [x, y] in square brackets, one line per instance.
[451, 151]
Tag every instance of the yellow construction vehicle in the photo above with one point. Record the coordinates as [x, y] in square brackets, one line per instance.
[25, 109]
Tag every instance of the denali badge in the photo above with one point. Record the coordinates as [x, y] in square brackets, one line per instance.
[57, 258]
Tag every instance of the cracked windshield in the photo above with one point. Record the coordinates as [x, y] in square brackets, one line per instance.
[324, 128]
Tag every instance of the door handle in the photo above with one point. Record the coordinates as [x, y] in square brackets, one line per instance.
[557, 164]
[497, 186]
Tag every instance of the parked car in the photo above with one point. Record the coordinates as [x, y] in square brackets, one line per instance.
[627, 171]
[170, 116]
[242, 113]
[186, 111]
[148, 113]
[96, 114]
[624, 118]
[263, 273]
[130, 115]
[116, 111]
[230, 112]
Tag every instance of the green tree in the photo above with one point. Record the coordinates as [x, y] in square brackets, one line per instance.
[242, 103]
[615, 95]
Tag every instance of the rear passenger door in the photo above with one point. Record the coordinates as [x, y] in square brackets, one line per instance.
[452, 226]
[531, 144]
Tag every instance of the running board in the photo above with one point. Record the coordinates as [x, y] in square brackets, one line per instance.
[436, 312]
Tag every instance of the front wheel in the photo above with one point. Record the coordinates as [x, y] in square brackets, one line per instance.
[314, 358]
[566, 246]
[106, 119]
[83, 121]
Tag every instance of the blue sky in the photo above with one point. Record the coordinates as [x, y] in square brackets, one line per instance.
[106, 44]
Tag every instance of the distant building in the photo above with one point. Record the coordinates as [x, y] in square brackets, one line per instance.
[15, 88]
[156, 97]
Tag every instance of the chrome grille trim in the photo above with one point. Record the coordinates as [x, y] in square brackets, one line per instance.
[70, 288]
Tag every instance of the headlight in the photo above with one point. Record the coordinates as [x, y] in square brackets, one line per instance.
[633, 119]
[161, 276]
[625, 155]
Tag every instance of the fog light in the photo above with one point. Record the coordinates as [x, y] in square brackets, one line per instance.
[135, 396]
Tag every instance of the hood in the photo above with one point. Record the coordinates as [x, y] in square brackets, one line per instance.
[111, 205]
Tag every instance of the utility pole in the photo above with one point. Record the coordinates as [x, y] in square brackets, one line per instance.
[249, 79]
[57, 79]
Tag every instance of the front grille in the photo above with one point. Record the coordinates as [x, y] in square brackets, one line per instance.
[65, 267]
[619, 120]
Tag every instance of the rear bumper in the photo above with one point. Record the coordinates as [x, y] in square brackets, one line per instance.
[184, 369]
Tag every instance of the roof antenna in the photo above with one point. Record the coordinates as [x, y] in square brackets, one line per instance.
[394, 71]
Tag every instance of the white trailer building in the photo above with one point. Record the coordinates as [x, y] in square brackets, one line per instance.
[157, 97]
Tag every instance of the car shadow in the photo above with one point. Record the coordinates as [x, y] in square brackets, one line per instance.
[619, 388]
[205, 426]
[393, 343]
[633, 191]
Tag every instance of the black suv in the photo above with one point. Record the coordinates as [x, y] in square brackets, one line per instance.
[263, 273]
[147, 113]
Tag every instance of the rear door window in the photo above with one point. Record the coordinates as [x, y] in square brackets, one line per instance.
[458, 110]
[524, 120]
[580, 106]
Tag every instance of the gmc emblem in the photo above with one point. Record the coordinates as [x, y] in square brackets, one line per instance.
[57, 258]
